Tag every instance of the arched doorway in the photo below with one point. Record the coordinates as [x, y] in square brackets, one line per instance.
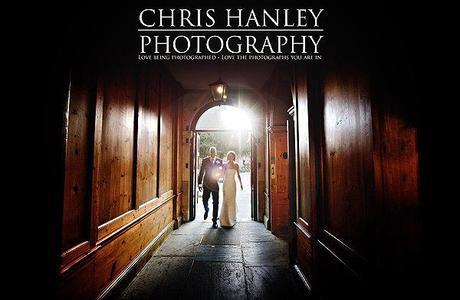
[227, 128]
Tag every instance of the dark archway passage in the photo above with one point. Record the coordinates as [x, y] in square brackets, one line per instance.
[359, 153]
[199, 262]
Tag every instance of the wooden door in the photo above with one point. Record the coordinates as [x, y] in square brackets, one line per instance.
[279, 168]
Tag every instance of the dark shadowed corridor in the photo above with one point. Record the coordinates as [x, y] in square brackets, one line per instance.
[198, 262]
[336, 165]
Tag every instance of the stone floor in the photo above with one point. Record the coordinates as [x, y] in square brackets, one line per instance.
[198, 262]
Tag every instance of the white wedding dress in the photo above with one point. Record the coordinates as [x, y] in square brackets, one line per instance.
[228, 209]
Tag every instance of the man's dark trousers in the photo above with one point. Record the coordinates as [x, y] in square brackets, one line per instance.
[215, 202]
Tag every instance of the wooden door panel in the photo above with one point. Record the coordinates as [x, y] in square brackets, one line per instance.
[166, 140]
[77, 188]
[117, 136]
[147, 140]
[279, 181]
[347, 160]
[304, 189]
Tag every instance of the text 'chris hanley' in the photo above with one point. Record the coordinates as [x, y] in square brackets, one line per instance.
[236, 31]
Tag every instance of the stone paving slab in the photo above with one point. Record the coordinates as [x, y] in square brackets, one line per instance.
[211, 280]
[222, 236]
[271, 283]
[193, 228]
[161, 278]
[222, 253]
[179, 245]
[274, 253]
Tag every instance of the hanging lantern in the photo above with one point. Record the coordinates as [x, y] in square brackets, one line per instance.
[218, 90]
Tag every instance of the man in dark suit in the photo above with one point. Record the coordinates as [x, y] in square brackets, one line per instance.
[211, 170]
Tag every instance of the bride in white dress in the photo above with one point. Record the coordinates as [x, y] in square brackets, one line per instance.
[228, 210]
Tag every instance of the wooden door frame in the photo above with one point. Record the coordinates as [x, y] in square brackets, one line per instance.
[254, 206]
[292, 188]
[192, 191]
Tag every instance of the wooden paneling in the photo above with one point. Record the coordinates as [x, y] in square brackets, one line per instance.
[119, 171]
[178, 160]
[166, 139]
[336, 278]
[75, 227]
[147, 139]
[67, 288]
[305, 249]
[117, 142]
[348, 169]
[90, 278]
[129, 217]
[303, 185]
[400, 227]
[129, 245]
[119, 118]
[365, 190]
